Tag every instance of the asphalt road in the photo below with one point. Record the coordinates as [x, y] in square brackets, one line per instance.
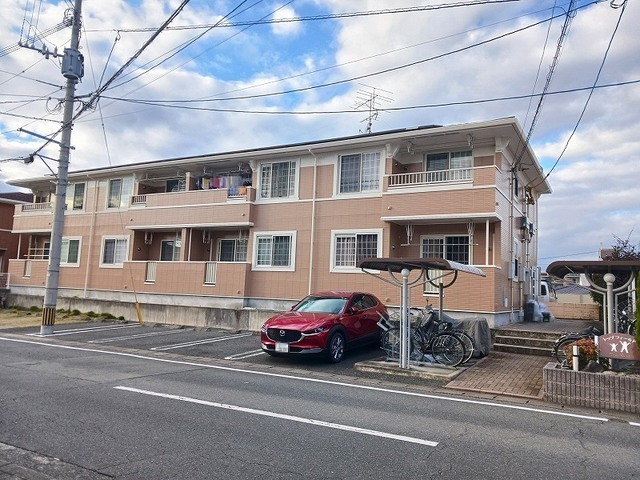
[131, 413]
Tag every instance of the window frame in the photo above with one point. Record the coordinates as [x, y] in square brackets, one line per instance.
[71, 196]
[293, 180]
[345, 233]
[64, 256]
[116, 239]
[449, 154]
[257, 236]
[374, 179]
[236, 257]
[429, 288]
[176, 248]
[124, 195]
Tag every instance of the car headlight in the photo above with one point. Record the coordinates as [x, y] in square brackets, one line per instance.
[263, 328]
[315, 331]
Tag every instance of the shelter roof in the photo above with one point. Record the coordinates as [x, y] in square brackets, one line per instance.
[399, 264]
[562, 267]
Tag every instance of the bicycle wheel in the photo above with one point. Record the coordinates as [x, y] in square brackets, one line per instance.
[390, 342]
[558, 350]
[469, 347]
[447, 349]
[631, 330]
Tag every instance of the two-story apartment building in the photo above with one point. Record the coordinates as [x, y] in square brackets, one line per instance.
[197, 240]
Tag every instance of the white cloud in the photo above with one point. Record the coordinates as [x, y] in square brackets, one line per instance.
[286, 28]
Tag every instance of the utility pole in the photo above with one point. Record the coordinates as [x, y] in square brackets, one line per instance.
[73, 70]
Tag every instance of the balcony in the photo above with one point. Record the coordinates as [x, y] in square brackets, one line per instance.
[408, 179]
[153, 277]
[192, 197]
[35, 207]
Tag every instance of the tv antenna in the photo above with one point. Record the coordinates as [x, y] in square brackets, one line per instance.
[369, 99]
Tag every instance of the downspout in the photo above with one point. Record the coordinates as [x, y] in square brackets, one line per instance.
[91, 230]
[313, 221]
[486, 242]
[511, 251]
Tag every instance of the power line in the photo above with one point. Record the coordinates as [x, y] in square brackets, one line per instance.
[591, 90]
[389, 109]
[332, 16]
[380, 72]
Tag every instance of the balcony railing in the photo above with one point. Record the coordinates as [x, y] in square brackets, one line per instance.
[431, 177]
[189, 197]
[36, 207]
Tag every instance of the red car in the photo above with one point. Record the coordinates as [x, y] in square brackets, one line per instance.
[324, 323]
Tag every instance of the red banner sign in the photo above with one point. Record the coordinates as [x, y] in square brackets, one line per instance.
[618, 345]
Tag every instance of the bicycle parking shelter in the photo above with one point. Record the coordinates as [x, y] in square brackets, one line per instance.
[404, 267]
[610, 270]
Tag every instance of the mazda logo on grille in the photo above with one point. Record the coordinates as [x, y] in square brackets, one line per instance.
[282, 333]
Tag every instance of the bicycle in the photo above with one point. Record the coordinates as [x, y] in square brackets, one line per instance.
[626, 324]
[467, 340]
[426, 342]
[567, 338]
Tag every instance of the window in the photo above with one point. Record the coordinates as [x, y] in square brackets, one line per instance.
[70, 251]
[170, 250]
[114, 251]
[120, 190]
[351, 247]
[232, 250]
[277, 180]
[359, 172]
[75, 196]
[275, 250]
[175, 185]
[449, 160]
[455, 248]
[450, 247]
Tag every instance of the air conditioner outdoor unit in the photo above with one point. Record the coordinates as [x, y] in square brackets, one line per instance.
[148, 238]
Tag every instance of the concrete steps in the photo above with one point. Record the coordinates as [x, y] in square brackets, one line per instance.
[523, 341]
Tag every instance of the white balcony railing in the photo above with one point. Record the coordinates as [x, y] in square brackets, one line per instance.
[210, 273]
[37, 207]
[431, 177]
[150, 275]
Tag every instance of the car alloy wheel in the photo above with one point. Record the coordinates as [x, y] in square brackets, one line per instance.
[335, 347]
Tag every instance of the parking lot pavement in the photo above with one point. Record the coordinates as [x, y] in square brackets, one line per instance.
[214, 343]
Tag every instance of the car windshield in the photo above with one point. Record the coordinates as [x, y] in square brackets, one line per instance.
[321, 305]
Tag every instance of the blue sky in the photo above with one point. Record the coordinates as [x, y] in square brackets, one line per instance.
[430, 56]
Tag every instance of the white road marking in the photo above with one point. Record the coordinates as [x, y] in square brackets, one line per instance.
[634, 424]
[292, 418]
[313, 380]
[240, 356]
[200, 342]
[73, 331]
[140, 335]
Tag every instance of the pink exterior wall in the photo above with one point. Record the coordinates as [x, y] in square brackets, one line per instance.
[311, 218]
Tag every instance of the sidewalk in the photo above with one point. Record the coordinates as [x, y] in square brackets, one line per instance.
[499, 373]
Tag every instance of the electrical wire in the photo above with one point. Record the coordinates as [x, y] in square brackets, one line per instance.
[172, 53]
[332, 16]
[570, 14]
[387, 109]
[591, 90]
[381, 72]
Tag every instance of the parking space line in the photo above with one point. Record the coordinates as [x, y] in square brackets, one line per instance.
[280, 416]
[73, 331]
[200, 342]
[140, 335]
[240, 356]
